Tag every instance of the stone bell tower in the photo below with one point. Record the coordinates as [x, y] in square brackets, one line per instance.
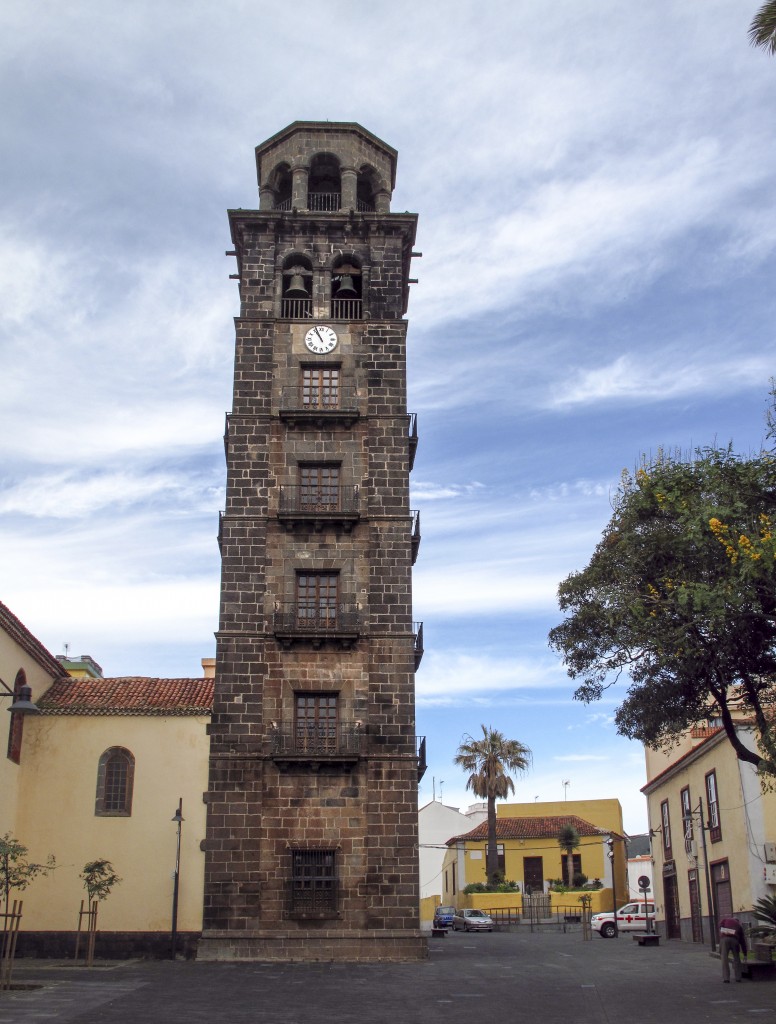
[311, 847]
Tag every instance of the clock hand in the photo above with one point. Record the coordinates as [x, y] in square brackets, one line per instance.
[318, 332]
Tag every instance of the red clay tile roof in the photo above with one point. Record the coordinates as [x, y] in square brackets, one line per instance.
[531, 828]
[128, 696]
[19, 632]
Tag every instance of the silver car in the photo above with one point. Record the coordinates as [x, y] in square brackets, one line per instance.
[472, 921]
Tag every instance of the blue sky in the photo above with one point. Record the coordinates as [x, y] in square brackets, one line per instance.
[595, 185]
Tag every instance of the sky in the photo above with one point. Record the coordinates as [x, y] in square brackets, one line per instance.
[594, 181]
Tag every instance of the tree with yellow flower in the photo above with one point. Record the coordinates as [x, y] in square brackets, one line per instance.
[679, 597]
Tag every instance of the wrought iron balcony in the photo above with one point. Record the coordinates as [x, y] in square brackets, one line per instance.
[415, 534]
[316, 741]
[321, 407]
[422, 765]
[417, 629]
[332, 505]
[412, 433]
[317, 625]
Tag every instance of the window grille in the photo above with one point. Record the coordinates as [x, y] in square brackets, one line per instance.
[313, 881]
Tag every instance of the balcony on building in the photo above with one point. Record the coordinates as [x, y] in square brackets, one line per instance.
[302, 506]
[420, 742]
[415, 515]
[417, 629]
[412, 434]
[314, 746]
[316, 626]
[319, 407]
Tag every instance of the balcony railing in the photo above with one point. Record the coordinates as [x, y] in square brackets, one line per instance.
[283, 204]
[420, 742]
[296, 309]
[322, 406]
[323, 202]
[362, 206]
[319, 506]
[317, 625]
[346, 309]
[417, 629]
[307, 739]
[415, 534]
[412, 433]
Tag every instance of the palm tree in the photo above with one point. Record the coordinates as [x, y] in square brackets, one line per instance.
[762, 31]
[488, 762]
[568, 841]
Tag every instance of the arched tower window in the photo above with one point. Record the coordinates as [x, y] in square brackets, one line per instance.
[346, 289]
[324, 184]
[367, 185]
[115, 782]
[280, 181]
[16, 727]
[297, 302]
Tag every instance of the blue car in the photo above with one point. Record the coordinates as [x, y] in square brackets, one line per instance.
[443, 917]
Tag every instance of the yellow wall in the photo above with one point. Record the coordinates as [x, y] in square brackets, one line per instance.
[601, 900]
[55, 814]
[12, 658]
[606, 814]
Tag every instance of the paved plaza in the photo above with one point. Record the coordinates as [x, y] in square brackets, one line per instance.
[548, 977]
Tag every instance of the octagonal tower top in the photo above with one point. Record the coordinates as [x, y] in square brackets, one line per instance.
[325, 167]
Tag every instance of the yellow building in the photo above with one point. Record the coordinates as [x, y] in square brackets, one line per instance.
[529, 854]
[714, 832]
[99, 774]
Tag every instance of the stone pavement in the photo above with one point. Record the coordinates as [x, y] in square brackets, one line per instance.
[552, 978]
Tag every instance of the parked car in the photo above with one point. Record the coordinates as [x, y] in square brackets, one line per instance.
[443, 917]
[472, 921]
[632, 917]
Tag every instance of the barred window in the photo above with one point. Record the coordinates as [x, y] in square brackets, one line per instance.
[687, 819]
[314, 882]
[115, 781]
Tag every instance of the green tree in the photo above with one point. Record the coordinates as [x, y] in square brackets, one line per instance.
[680, 594]
[16, 870]
[762, 31]
[488, 762]
[568, 841]
[99, 878]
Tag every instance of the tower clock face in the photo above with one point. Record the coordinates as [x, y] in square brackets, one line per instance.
[321, 340]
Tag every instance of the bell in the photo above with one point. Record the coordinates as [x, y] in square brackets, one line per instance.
[346, 289]
[296, 289]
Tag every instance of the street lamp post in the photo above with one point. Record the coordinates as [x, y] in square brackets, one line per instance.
[178, 819]
[712, 921]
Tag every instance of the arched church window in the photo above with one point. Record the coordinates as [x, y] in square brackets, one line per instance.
[324, 184]
[115, 782]
[346, 289]
[297, 302]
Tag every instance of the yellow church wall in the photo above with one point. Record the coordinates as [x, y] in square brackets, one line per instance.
[12, 658]
[55, 815]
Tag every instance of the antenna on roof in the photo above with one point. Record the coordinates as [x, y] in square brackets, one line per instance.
[441, 783]
[566, 783]
[67, 649]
